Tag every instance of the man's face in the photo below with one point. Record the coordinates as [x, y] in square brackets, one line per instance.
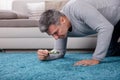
[57, 31]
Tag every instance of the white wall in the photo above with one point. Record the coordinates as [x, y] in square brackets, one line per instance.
[6, 4]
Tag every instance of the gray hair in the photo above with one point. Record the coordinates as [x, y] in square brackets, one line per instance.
[49, 17]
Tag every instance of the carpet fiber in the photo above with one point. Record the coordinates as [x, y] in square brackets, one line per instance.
[26, 66]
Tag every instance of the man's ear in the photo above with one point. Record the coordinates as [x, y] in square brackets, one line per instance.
[62, 19]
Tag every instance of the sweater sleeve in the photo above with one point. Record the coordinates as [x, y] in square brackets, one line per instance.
[94, 19]
[60, 46]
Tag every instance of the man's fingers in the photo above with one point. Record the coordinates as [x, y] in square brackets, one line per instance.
[41, 57]
[81, 64]
[86, 62]
[42, 52]
[78, 63]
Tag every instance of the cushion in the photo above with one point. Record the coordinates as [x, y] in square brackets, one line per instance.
[21, 15]
[19, 23]
[7, 14]
[55, 4]
[36, 9]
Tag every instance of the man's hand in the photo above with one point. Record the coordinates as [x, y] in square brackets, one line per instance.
[87, 62]
[43, 54]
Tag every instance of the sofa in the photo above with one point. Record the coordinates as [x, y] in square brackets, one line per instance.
[23, 32]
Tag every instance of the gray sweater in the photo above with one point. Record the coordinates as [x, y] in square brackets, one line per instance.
[90, 17]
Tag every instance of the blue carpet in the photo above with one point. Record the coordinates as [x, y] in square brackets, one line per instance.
[26, 66]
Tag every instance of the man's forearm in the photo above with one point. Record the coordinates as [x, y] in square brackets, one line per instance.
[60, 46]
[103, 41]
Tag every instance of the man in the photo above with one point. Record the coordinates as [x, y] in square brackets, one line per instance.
[80, 18]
